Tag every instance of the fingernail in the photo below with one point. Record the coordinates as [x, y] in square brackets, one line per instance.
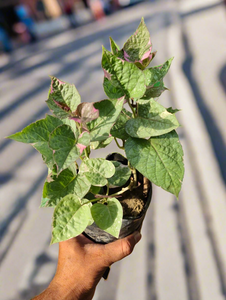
[137, 236]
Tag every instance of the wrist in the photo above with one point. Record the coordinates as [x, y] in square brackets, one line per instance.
[70, 289]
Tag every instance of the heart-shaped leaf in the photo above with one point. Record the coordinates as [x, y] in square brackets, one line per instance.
[153, 120]
[70, 218]
[47, 153]
[72, 124]
[160, 159]
[38, 134]
[97, 170]
[38, 131]
[63, 142]
[121, 78]
[121, 176]
[109, 111]
[118, 130]
[108, 217]
[101, 144]
[67, 182]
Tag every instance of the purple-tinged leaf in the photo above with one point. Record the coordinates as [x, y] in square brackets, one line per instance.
[62, 96]
[114, 47]
[81, 147]
[85, 112]
[83, 141]
[138, 47]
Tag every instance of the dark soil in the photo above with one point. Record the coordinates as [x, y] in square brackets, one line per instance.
[133, 201]
[132, 207]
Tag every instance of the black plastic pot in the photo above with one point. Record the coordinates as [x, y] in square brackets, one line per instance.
[129, 224]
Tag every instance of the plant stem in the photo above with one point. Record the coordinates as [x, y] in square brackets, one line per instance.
[93, 200]
[108, 185]
[86, 153]
[120, 147]
[131, 107]
[134, 171]
[134, 176]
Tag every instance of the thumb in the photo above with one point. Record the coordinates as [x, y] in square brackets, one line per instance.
[121, 248]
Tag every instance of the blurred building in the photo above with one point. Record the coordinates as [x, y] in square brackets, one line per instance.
[39, 9]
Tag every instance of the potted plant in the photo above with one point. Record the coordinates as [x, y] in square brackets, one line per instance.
[91, 194]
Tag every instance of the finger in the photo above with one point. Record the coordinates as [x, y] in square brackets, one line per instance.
[121, 248]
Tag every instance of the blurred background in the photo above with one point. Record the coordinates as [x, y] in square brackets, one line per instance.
[182, 255]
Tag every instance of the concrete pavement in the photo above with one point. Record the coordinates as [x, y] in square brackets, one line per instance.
[182, 253]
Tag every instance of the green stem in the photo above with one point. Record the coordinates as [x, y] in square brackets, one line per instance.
[120, 147]
[93, 200]
[134, 176]
[108, 186]
[129, 187]
[134, 171]
[86, 153]
[79, 127]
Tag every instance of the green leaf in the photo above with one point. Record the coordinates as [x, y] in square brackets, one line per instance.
[121, 176]
[172, 110]
[47, 153]
[109, 111]
[38, 131]
[67, 182]
[154, 91]
[70, 218]
[71, 123]
[62, 141]
[83, 141]
[156, 74]
[38, 134]
[153, 120]
[121, 77]
[97, 170]
[56, 186]
[80, 185]
[58, 110]
[114, 47]
[118, 130]
[84, 138]
[108, 217]
[138, 46]
[64, 95]
[160, 159]
[101, 144]
[44, 202]
[95, 189]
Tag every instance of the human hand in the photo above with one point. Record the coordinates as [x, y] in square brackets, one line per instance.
[82, 263]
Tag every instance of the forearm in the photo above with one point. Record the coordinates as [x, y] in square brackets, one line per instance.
[55, 291]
